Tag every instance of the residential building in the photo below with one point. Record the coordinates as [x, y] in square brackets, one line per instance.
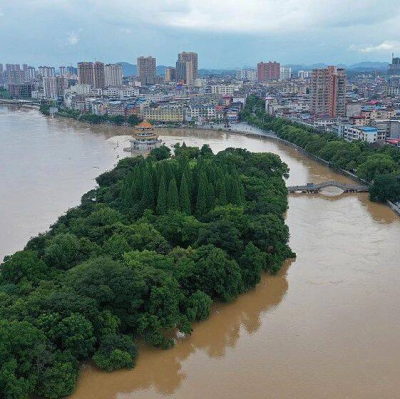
[201, 112]
[98, 75]
[304, 74]
[192, 66]
[285, 73]
[46, 71]
[394, 67]
[30, 74]
[85, 73]
[164, 113]
[368, 134]
[180, 71]
[353, 109]
[267, 71]
[121, 92]
[170, 75]
[80, 89]
[387, 129]
[328, 92]
[271, 104]
[370, 113]
[23, 90]
[54, 87]
[146, 67]
[224, 89]
[15, 76]
[116, 108]
[247, 74]
[113, 75]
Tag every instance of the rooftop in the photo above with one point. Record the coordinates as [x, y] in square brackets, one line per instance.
[367, 129]
[144, 125]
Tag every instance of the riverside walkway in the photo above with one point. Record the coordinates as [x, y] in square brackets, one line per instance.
[314, 188]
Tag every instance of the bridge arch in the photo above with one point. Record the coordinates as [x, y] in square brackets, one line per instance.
[312, 188]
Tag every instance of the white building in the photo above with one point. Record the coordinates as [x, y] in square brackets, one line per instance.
[121, 92]
[362, 133]
[285, 73]
[201, 113]
[50, 87]
[199, 82]
[46, 71]
[304, 74]
[30, 73]
[224, 90]
[80, 89]
[270, 105]
[247, 74]
[113, 75]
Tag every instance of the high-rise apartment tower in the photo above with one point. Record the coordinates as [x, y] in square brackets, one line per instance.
[328, 92]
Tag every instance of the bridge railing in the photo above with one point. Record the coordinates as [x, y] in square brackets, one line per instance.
[331, 183]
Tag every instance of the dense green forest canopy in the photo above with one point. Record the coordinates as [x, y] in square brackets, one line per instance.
[145, 254]
[380, 167]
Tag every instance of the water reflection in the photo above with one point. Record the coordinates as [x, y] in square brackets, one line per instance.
[379, 212]
[162, 370]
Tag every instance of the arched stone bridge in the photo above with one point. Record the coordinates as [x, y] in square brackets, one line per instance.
[313, 188]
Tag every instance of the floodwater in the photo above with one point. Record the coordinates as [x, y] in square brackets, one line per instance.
[327, 326]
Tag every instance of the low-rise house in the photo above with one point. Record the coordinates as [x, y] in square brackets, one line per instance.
[368, 134]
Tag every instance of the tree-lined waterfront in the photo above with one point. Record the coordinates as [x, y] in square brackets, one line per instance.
[145, 253]
[380, 167]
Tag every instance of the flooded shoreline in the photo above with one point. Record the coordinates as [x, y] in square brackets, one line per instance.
[327, 326]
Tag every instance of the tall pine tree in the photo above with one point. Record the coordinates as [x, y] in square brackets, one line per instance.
[184, 196]
[201, 203]
[221, 191]
[210, 197]
[235, 195]
[162, 196]
[173, 198]
[148, 198]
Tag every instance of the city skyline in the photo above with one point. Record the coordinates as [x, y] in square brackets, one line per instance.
[291, 31]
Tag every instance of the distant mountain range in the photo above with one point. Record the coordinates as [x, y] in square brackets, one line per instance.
[360, 67]
[131, 69]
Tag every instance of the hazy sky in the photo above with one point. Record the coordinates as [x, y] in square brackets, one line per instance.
[225, 33]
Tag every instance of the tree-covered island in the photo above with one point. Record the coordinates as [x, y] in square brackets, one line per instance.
[145, 254]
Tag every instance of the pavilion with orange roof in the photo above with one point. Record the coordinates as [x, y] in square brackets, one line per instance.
[145, 138]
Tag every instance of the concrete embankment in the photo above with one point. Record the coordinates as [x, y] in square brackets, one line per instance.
[21, 103]
[395, 208]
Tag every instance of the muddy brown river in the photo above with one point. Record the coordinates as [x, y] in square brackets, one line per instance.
[327, 326]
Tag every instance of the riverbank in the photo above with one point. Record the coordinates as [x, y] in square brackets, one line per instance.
[308, 332]
[380, 167]
[22, 103]
[248, 130]
[123, 240]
